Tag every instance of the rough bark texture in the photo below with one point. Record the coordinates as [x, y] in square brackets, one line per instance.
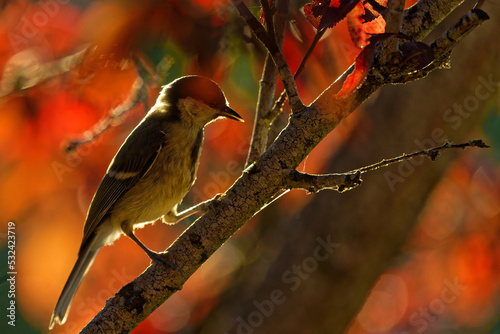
[370, 224]
[253, 190]
[266, 93]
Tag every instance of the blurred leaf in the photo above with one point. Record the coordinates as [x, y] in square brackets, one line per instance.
[496, 328]
[243, 76]
[170, 61]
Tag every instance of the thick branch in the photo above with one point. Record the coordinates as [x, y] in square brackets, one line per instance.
[420, 19]
[444, 44]
[394, 15]
[326, 101]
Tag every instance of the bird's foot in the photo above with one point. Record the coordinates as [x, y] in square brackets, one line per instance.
[161, 258]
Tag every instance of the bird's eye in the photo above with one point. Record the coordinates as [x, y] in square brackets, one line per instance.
[212, 104]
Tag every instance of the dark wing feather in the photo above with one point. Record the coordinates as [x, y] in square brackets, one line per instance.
[136, 156]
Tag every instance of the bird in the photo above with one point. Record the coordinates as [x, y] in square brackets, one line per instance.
[149, 175]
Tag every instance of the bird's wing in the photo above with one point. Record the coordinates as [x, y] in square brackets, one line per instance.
[131, 163]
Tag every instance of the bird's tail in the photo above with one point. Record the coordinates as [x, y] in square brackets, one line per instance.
[86, 257]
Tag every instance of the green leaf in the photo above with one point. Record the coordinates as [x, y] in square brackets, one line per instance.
[491, 128]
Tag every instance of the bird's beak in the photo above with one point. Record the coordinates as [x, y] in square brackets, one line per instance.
[230, 113]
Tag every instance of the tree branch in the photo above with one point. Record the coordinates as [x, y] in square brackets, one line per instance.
[24, 70]
[267, 118]
[278, 105]
[432, 153]
[381, 74]
[269, 18]
[266, 92]
[315, 183]
[450, 38]
[398, 119]
[137, 95]
[393, 17]
[443, 45]
[420, 19]
[350, 180]
[270, 43]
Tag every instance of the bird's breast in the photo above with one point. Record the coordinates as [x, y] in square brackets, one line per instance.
[168, 180]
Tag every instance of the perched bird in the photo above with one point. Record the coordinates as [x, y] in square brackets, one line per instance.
[150, 175]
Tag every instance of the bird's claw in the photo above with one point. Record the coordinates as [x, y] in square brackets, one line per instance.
[160, 258]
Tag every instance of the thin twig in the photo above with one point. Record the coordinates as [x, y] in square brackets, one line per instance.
[278, 105]
[270, 43]
[432, 153]
[314, 183]
[269, 18]
[394, 15]
[393, 18]
[277, 108]
[443, 45]
[265, 99]
[350, 180]
[450, 38]
[25, 70]
[137, 94]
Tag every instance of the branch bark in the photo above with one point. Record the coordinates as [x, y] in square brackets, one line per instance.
[350, 180]
[269, 42]
[393, 18]
[266, 91]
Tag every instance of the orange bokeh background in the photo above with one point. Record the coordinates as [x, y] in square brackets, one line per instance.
[46, 192]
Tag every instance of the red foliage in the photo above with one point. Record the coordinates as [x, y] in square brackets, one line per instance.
[326, 14]
[329, 13]
[360, 28]
[362, 65]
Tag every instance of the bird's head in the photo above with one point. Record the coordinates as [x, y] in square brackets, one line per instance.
[197, 100]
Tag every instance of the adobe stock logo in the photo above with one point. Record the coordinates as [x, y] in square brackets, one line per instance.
[293, 279]
[421, 319]
[27, 29]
